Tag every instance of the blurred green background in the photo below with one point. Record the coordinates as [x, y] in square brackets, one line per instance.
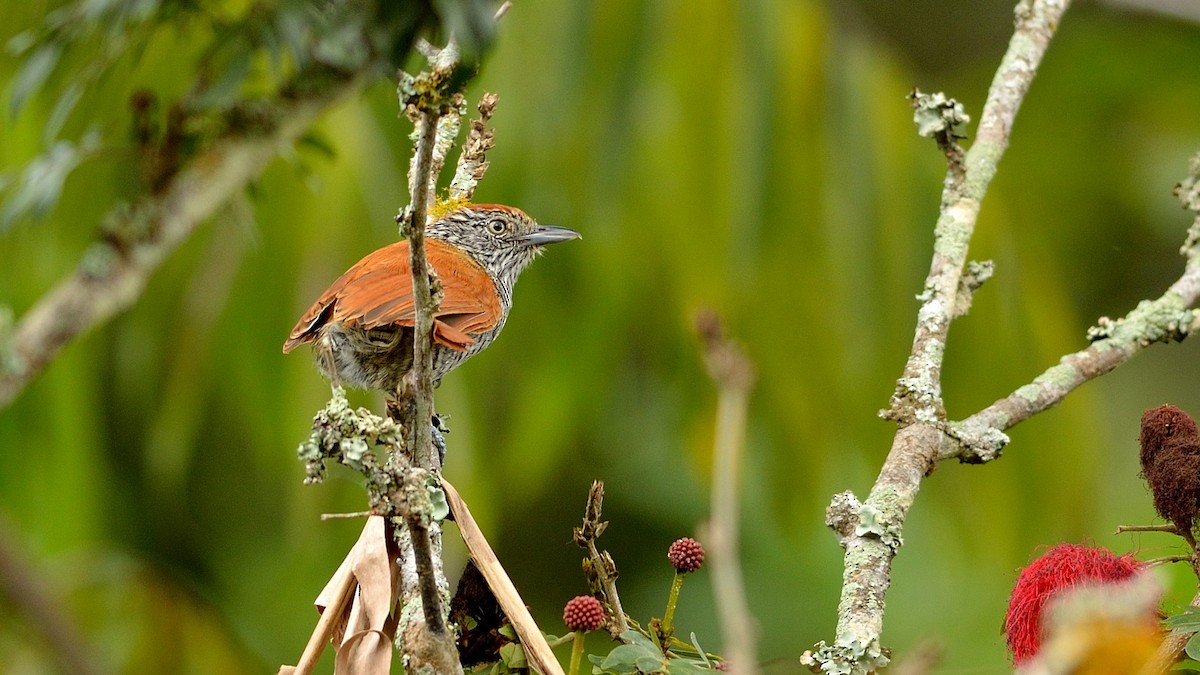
[754, 157]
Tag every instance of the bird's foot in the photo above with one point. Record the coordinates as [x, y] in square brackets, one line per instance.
[439, 439]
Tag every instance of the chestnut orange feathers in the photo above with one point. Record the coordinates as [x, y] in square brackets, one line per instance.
[361, 326]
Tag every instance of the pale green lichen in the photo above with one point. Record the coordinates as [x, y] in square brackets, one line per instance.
[1030, 393]
[875, 521]
[358, 439]
[937, 116]
[1161, 320]
[981, 442]
[1063, 376]
[850, 656]
[99, 260]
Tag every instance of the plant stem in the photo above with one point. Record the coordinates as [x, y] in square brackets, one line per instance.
[576, 653]
[672, 600]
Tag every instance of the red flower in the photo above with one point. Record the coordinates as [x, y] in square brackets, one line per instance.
[686, 555]
[583, 613]
[1062, 567]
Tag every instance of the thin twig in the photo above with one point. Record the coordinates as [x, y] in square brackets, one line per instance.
[1167, 559]
[1168, 528]
[354, 515]
[980, 438]
[419, 379]
[872, 544]
[733, 374]
[600, 567]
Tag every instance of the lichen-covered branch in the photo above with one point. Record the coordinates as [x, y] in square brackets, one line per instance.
[980, 438]
[426, 641]
[871, 530]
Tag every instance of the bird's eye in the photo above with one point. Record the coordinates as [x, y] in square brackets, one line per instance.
[497, 226]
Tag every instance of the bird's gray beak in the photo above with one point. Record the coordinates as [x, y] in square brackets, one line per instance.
[549, 234]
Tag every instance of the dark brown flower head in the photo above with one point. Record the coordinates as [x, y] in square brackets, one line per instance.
[1163, 426]
[686, 555]
[1170, 457]
[583, 613]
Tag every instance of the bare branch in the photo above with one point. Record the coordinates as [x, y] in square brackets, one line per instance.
[733, 374]
[1167, 528]
[980, 438]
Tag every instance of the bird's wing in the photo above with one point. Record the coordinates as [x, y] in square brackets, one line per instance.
[377, 292]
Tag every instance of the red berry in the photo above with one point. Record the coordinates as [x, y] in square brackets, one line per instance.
[1062, 567]
[686, 555]
[583, 613]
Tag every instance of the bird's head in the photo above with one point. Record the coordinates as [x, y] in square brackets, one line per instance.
[502, 238]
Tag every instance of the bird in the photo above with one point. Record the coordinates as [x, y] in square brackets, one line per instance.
[362, 325]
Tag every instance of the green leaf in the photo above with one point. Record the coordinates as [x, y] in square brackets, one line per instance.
[687, 667]
[1187, 621]
[224, 91]
[630, 659]
[315, 140]
[41, 182]
[513, 656]
[1187, 666]
[633, 637]
[650, 664]
[1192, 649]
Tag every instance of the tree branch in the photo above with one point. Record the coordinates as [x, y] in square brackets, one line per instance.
[980, 438]
[112, 274]
[872, 530]
[426, 642]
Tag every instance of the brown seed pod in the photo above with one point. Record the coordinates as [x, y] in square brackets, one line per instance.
[1170, 458]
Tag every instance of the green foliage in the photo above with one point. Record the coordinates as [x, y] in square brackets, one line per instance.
[759, 158]
[1187, 621]
[639, 654]
[235, 55]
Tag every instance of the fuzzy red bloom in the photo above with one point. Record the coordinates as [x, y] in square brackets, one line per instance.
[686, 555]
[1062, 567]
[583, 613]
